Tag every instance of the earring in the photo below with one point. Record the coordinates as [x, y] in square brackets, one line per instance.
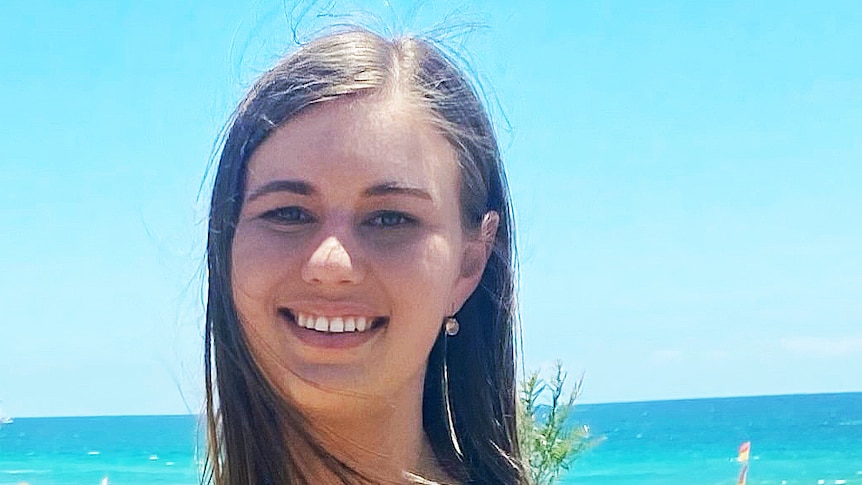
[451, 325]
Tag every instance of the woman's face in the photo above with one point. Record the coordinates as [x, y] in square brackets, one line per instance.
[350, 225]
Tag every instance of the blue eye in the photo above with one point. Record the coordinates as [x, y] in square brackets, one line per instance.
[390, 219]
[287, 216]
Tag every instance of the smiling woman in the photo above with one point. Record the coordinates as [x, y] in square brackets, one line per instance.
[360, 310]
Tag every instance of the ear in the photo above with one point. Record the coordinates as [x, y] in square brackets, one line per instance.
[477, 250]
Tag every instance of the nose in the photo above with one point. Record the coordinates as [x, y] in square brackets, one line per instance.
[331, 264]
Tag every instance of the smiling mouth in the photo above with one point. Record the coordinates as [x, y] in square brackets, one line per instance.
[334, 324]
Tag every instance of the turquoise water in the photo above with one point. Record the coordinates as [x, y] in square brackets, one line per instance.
[795, 440]
[134, 450]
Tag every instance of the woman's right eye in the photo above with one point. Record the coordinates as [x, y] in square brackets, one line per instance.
[287, 216]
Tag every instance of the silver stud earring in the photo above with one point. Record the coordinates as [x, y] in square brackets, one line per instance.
[451, 325]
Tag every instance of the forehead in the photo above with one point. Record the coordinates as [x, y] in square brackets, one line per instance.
[358, 142]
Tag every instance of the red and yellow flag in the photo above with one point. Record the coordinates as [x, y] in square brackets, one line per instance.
[744, 452]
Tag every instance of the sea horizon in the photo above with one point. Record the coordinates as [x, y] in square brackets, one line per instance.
[577, 404]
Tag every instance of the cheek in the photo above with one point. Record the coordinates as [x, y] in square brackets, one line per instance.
[421, 283]
[259, 263]
[424, 274]
[429, 264]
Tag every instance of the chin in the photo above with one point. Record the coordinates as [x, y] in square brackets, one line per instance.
[331, 398]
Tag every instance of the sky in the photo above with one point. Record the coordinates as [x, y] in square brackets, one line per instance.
[686, 179]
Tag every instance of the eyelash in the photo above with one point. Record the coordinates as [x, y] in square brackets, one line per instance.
[287, 216]
[293, 215]
[378, 219]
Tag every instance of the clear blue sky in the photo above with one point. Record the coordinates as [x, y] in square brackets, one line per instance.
[686, 175]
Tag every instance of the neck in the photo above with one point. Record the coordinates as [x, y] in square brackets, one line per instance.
[383, 436]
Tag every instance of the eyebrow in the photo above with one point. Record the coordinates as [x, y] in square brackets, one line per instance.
[300, 187]
[394, 188]
[293, 186]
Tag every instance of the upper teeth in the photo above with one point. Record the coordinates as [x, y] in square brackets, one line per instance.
[333, 324]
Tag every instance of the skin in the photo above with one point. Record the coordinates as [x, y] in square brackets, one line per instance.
[369, 224]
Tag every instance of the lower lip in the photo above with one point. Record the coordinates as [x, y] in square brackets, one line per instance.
[331, 340]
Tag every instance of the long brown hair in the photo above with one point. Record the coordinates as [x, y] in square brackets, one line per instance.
[254, 436]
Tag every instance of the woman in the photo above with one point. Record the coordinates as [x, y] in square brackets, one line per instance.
[360, 308]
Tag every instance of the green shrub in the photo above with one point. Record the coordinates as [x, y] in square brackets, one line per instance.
[548, 444]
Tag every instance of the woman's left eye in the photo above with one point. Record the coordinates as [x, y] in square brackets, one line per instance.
[390, 219]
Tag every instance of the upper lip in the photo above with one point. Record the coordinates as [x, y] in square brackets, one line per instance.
[332, 308]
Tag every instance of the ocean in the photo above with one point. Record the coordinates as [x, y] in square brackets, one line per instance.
[800, 439]
[795, 440]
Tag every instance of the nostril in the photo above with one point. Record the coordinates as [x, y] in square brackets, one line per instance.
[331, 263]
